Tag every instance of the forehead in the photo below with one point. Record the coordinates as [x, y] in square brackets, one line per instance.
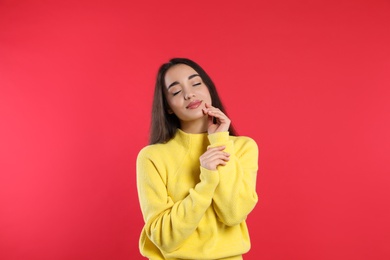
[179, 72]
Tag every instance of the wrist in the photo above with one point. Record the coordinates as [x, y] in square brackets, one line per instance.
[218, 138]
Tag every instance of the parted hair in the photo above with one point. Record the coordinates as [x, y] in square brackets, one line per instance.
[164, 124]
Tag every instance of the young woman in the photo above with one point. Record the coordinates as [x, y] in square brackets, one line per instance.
[196, 180]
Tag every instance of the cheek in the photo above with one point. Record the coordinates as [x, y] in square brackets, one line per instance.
[206, 93]
[173, 103]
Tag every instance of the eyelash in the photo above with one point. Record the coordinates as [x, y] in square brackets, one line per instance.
[196, 84]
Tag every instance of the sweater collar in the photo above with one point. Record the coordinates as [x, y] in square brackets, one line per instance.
[193, 140]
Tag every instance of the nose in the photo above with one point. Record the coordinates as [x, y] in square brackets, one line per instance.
[188, 94]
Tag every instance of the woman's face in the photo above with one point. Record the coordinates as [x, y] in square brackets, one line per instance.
[186, 93]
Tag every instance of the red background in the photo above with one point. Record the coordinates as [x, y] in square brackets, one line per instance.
[308, 80]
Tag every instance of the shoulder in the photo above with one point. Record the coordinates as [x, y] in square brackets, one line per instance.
[243, 140]
[160, 151]
[150, 151]
[150, 157]
[244, 144]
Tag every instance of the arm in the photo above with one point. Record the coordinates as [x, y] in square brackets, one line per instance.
[235, 196]
[168, 223]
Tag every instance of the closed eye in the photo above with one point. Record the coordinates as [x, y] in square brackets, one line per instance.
[175, 93]
[196, 84]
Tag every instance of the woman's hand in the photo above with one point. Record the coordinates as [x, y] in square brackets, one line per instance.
[213, 157]
[222, 121]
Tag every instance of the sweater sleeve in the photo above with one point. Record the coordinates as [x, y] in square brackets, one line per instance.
[235, 195]
[168, 223]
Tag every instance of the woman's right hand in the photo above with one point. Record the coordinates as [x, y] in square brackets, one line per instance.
[213, 157]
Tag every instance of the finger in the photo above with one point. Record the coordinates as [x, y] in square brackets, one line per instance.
[217, 156]
[208, 153]
[216, 148]
[212, 165]
[210, 107]
[212, 111]
[210, 120]
[216, 153]
[219, 162]
[204, 110]
[216, 113]
[206, 107]
[207, 156]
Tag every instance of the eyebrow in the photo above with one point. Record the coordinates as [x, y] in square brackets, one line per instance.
[175, 82]
[193, 76]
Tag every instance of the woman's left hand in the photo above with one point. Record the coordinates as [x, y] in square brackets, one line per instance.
[222, 122]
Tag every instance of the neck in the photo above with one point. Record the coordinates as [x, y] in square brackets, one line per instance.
[195, 127]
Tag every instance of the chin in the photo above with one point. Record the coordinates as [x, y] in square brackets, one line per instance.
[195, 117]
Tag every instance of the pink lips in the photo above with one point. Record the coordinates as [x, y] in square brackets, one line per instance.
[194, 104]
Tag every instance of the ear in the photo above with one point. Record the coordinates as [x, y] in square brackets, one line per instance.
[169, 110]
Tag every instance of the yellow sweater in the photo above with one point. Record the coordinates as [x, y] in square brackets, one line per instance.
[191, 212]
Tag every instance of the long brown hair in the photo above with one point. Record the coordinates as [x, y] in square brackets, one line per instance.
[164, 125]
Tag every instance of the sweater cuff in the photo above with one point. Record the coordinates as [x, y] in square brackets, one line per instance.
[209, 175]
[208, 182]
[218, 138]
